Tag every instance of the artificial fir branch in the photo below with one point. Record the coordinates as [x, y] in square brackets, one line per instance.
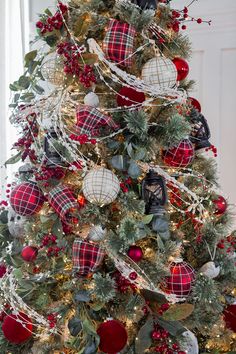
[103, 288]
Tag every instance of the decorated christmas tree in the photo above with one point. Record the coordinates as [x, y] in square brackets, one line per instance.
[114, 237]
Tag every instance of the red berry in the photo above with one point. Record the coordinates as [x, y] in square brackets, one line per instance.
[199, 20]
[39, 24]
[184, 27]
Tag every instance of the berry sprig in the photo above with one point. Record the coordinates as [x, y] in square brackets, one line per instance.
[179, 17]
[47, 173]
[161, 338]
[126, 185]
[48, 24]
[52, 318]
[83, 139]
[29, 133]
[72, 63]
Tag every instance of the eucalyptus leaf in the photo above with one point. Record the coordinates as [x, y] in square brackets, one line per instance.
[173, 327]
[82, 296]
[24, 82]
[14, 159]
[119, 162]
[147, 219]
[30, 57]
[75, 326]
[134, 170]
[144, 338]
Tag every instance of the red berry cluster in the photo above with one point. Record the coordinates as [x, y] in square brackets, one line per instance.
[52, 318]
[50, 241]
[174, 195]
[30, 132]
[83, 139]
[122, 284]
[72, 66]
[126, 184]
[51, 23]
[228, 243]
[47, 173]
[213, 149]
[180, 16]
[161, 336]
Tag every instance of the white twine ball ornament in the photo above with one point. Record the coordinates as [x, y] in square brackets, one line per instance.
[160, 72]
[101, 186]
[53, 70]
[190, 343]
[91, 99]
[210, 270]
[97, 233]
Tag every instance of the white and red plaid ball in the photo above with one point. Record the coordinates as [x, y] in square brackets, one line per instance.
[179, 156]
[26, 199]
[181, 279]
[86, 257]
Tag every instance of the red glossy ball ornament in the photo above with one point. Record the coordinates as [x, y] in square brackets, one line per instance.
[182, 68]
[3, 270]
[133, 276]
[230, 317]
[113, 336]
[29, 253]
[220, 205]
[181, 279]
[195, 103]
[128, 97]
[26, 199]
[135, 253]
[14, 331]
[179, 156]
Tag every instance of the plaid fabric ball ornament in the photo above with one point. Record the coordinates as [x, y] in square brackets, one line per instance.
[118, 44]
[26, 199]
[160, 72]
[181, 279]
[90, 120]
[179, 156]
[63, 201]
[101, 186]
[86, 257]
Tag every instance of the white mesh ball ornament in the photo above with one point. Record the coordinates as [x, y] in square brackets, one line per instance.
[190, 343]
[160, 73]
[53, 70]
[101, 186]
[210, 269]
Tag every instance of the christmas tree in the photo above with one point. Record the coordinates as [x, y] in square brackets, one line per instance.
[114, 237]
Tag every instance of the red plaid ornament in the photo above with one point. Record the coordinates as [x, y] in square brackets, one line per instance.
[179, 156]
[90, 120]
[181, 279]
[26, 199]
[86, 257]
[118, 44]
[63, 201]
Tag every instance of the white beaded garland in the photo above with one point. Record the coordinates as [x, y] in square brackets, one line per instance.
[210, 270]
[160, 72]
[91, 99]
[101, 186]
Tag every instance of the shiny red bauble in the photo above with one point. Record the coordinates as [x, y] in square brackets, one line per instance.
[182, 68]
[129, 97]
[195, 103]
[230, 317]
[3, 270]
[14, 331]
[26, 199]
[135, 253]
[181, 279]
[113, 336]
[220, 205]
[179, 156]
[29, 253]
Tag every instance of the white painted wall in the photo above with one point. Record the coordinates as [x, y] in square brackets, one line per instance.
[213, 66]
